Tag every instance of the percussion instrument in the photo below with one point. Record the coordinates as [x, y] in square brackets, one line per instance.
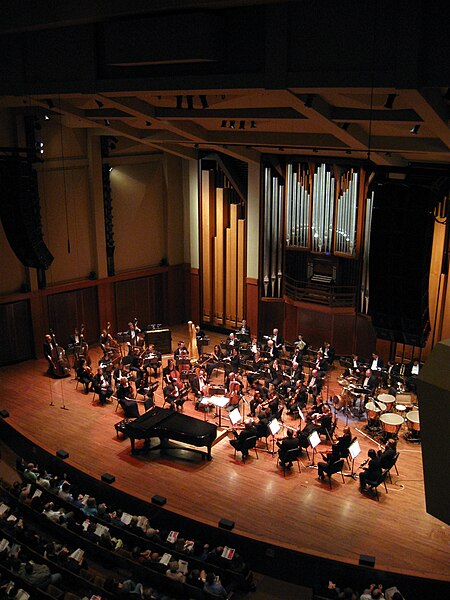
[387, 399]
[391, 423]
[413, 420]
[373, 411]
[405, 399]
[400, 409]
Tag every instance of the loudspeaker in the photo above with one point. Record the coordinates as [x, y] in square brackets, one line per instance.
[20, 212]
[400, 255]
[108, 478]
[4, 414]
[62, 454]
[366, 561]
[159, 500]
[226, 524]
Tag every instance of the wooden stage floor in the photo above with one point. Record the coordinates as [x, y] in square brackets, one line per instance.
[297, 511]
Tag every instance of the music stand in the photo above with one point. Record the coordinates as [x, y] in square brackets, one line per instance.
[314, 440]
[274, 427]
[354, 450]
[235, 416]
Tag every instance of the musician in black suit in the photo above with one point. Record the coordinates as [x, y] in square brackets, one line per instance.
[390, 374]
[322, 365]
[49, 347]
[133, 331]
[354, 368]
[243, 329]
[84, 375]
[272, 350]
[369, 381]
[329, 459]
[248, 432]
[372, 472]
[298, 398]
[277, 339]
[344, 441]
[198, 383]
[314, 384]
[327, 352]
[377, 363]
[75, 338]
[411, 372]
[215, 360]
[102, 385]
[231, 343]
[301, 344]
[232, 365]
[289, 443]
[386, 456]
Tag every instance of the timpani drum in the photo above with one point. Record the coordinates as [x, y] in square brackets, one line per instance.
[388, 400]
[391, 423]
[374, 411]
[412, 420]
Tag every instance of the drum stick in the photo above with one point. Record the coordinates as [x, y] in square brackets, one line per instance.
[368, 437]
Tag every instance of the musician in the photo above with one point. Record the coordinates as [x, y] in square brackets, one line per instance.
[276, 373]
[328, 353]
[390, 374]
[233, 362]
[231, 343]
[344, 441]
[262, 426]
[124, 390]
[147, 387]
[84, 375]
[411, 371]
[387, 455]
[102, 386]
[325, 468]
[322, 422]
[314, 384]
[354, 370]
[271, 349]
[105, 342]
[119, 372]
[372, 472]
[198, 383]
[301, 344]
[289, 443]
[233, 387]
[255, 345]
[170, 372]
[377, 363]
[277, 339]
[248, 432]
[255, 403]
[181, 353]
[200, 335]
[152, 359]
[369, 381]
[298, 399]
[49, 347]
[133, 331]
[322, 365]
[243, 329]
[273, 400]
[75, 339]
[215, 361]
[258, 365]
[174, 397]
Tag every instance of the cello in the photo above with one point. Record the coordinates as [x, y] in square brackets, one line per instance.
[60, 363]
[84, 349]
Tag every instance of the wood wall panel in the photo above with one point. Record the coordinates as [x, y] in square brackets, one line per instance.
[144, 298]
[71, 309]
[207, 231]
[342, 334]
[194, 279]
[271, 314]
[219, 263]
[241, 261]
[251, 304]
[16, 335]
[176, 296]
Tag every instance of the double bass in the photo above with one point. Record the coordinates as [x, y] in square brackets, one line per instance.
[60, 363]
[84, 349]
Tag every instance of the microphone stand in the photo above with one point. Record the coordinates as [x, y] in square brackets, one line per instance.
[63, 406]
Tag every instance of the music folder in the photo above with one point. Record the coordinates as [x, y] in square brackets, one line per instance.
[235, 416]
[354, 449]
[274, 427]
[314, 439]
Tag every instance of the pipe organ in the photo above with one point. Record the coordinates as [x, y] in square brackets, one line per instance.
[316, 210]
[222, 251]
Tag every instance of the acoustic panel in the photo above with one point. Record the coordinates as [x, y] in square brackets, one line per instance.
[20, 213]
[433, 390]
[400, 254]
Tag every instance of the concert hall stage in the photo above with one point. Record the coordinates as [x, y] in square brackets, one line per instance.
[297, 511]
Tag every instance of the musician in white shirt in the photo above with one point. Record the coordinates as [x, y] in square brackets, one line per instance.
[377, 363]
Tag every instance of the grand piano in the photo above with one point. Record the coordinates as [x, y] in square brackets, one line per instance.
[166, 425]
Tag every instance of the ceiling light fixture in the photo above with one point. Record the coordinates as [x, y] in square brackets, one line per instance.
[253, 124]
[232, 124]
[415, 129]
[107, 122]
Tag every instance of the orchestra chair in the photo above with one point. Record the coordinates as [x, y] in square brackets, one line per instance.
[291, 455]
[373, 485]
[248, 444]
[263, 433]
[336, 467]
[392, 465]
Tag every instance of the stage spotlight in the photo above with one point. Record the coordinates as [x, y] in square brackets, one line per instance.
[204, 101]
[224, 123]
[390, 100]
[415, 129]
[253, 124]
[232, 124]
[107, 122]
[46, 117]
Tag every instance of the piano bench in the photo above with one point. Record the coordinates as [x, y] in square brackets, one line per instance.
[121, 426]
